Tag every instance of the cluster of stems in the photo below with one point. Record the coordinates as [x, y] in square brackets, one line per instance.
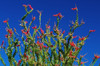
[49, 48]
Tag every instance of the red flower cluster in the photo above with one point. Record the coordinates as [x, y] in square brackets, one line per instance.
[34, 27]
[72, 44]
[81, 38]
[26, 33]
[19, 62]
[33, 18]
[5, 21]
[2, 43]
[74, 8]
[42, 31]
[59, 14]
[92, 30]
[96, 56]
[25, 56]
[40, 45]
[30, 7]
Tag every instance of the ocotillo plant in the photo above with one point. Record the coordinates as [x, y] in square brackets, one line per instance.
[50, 48]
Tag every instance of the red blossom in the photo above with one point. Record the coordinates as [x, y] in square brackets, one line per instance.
[72, 56]
[70, 53]
[2, 43]
[39, 44]
[41, 31]
[51, 45]
[81, 38]
[6, 36]
[74, 36]
[34, 27]
[18, 45]
[9, 31]
[25, 55]
[27, 32]
[56, 15]
[92, 30]
[22, 30]
[76, 48]
[72, 44]
[26, 22]
[19, 62]
[74, 8]
[44, 46]
[33, 18]
[24, 5]
[5, 21]
[30, 7]
[63, 32]
[48, 27]
[59, 14]
[83, 62]
[61, 58]
[96, 56]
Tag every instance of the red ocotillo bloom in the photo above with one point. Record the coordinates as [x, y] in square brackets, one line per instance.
[19, 62]
[74, 8]
[30, 7]
[92, 30]
[96, 56]
[33, 18]
[42, 31]
[5, 21]
[2, 43]
[34, 27]
[24, 5]
[72, 44]
[59, 14]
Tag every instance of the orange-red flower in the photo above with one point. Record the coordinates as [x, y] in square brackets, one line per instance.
[30, 7]
[33, 18]
[9, 31]
[19, 62]
[34, 27]
[22, 30]
[72, 56]
[5, 21]
[76, 48]
[26, 22]
[63, 32]
[44, 46]
[74, 8]
[24, 5]
[83, 62]
[96, 56]
[81, 38]
[59, 14]
[6, 36]
[72, 44]
[18, 45]
[74, 36]
[41, 31]
[48, 27]
[2, 43]
[92, 30]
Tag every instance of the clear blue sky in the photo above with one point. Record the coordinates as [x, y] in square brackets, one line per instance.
[89, 11]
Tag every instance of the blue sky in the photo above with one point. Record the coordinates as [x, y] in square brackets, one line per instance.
[89, 11]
